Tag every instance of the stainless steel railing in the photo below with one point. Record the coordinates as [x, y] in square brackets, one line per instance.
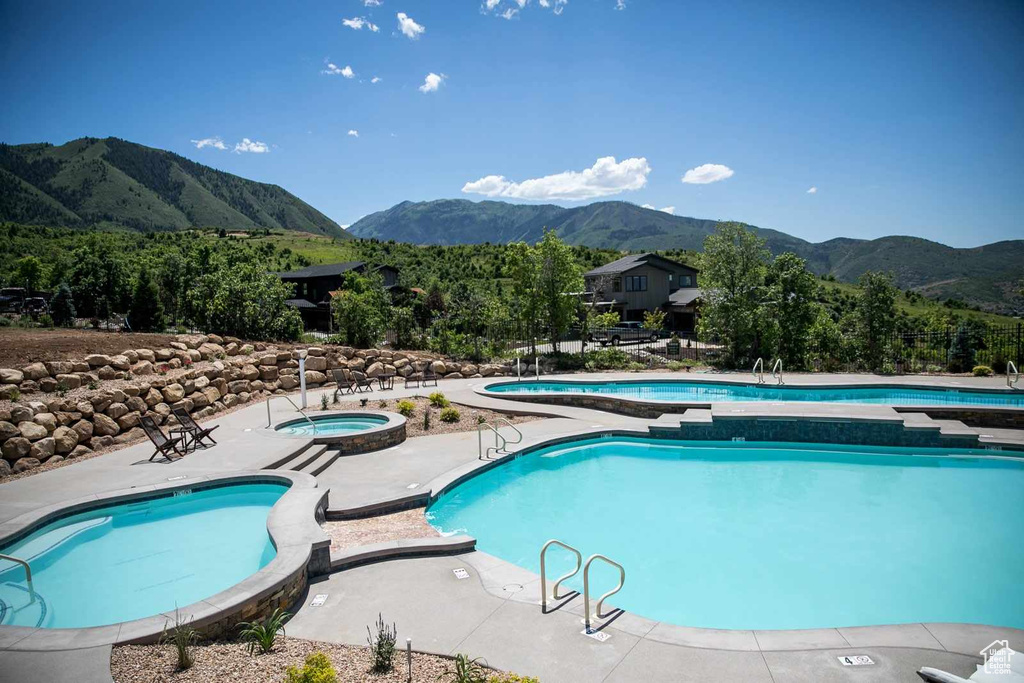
[759, 375]
[28, 573]
[298, 409]
[586, 589]
[544, 578]
[777, 368]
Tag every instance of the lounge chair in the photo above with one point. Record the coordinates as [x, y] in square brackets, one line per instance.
[1015, 673]
[195, 435]
[351, 385]
[164, 444]
[428, 378]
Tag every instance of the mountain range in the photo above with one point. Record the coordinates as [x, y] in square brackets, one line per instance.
[989, 276]
[114, 184]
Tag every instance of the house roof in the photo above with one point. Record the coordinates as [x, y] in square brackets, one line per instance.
[684, 297]
[634, 260]
[300, 303]
[323, 270]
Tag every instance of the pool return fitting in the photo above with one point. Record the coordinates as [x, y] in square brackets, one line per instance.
[586, 582]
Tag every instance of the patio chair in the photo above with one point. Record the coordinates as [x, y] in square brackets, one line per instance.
[195, 435]
[351, 385]
[164, 444]
[1015, 674]
[428, 378]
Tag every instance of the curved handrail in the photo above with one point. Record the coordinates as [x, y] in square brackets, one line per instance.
[298, 409]
[497, 447]
[777, 366]
[1016, 375]
[514, 429]
[28, 573]
[759, 375]
[544, 578]
[586, 588]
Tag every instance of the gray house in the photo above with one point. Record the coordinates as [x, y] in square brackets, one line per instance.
[638, 283]
[315, 285]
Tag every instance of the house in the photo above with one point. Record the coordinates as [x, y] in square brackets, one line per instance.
[638, 283]
[314, 286]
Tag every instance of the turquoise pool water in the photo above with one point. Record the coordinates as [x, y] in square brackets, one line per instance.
[709, 392]
[766, 536]
[332, 425]
[135, 560]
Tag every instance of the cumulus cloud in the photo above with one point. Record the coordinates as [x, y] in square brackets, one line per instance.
[358, 23]
[353, 132]
[216, 143]
[334, 70]
[707, 173]
[254, 146]
[432, 82]
[667, 209]
[605, 177]
[376, 79]
[620, 4]
[372, 3]
[813, 190]
[410, 28]
[507, 9]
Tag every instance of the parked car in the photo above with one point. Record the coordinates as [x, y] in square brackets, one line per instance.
[624, 332]
[12, 299]
[35, 305]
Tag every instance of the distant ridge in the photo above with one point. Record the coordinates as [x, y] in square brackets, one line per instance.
[987, 276]
[115, 184]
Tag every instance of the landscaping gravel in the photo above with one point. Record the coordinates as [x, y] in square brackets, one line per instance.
[414, 423]
[356, 532]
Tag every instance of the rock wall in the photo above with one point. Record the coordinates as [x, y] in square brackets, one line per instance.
[63, 409]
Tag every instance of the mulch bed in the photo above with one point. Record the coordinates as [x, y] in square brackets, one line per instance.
[356, 532]
[414, 423]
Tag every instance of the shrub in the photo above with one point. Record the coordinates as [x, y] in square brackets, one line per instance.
[382, 647]
[5, 321]
[15, 394]
[450, 414]
[464, 670]
[93, 385]
[323, 402]
[607, 359]
[62, 307]
[183, 636]
[45, 320]
[317, 669]
[438, 400]
[426, 420]
[382, 404]
[982, 371]
[62, 389]
[261, 635]
[406, 408]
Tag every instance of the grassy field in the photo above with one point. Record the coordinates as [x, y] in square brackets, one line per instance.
[920, 306]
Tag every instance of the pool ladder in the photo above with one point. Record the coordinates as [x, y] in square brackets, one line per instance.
[1016, 375]
[587, 615]
[776, 371]
[500, 446]
[28, 573]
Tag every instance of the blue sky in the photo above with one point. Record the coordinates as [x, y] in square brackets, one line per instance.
[905, 116]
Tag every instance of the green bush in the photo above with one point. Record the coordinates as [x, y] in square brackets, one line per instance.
[438, 400]
[677, 365]
[5, 321]
[608, 359]
[406, 408]
[182, 636]
[982, 371]
[45, 320]
[450, 414]
[317, 669]
[382, 647]
[261, 635]
[323, 402]
[464, 670]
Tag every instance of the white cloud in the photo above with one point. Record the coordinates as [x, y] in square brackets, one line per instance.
[334, 70]
[432, 82]
[667, 209]
[344, 227]
[372, 3]
[491, 4]
[620, 4]
[707, 173]
[354, 133]
[647, 206]
[254, 146]
[210, 142]
[507, 9]
[410, 28]
[358, 23]
[509, 13]
[376, 79]
[605, 177]
[813, 190]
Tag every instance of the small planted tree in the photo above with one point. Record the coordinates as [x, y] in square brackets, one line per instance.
[654, 320]
[62, 307]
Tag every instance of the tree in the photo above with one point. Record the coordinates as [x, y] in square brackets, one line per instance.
[62, 306]
[654, 320]
[28, 273]
[243, 300]
[792, 308]
[146, 313]
[875, 317]
[733, 267]
[172, 283]
[362, 310]
[546, 282]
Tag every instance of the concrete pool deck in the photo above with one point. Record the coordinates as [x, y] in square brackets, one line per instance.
[445, 615]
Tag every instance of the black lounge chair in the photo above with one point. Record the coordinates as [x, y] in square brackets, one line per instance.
[164, 444]
[428, 378]
[351, 385]
[195, 435]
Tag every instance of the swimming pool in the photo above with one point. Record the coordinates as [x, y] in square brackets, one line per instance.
[332, 425]
[671, 391]
[762, 536]
[137, 559]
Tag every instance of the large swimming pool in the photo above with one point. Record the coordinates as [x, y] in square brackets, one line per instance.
[763, 536]
[133, 560]
[711, 392]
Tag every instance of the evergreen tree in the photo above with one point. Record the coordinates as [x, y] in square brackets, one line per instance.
[146, 313]
[62, 307]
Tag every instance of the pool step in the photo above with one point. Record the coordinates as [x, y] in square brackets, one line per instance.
[300, 453]
[321, 463]
[307, 457]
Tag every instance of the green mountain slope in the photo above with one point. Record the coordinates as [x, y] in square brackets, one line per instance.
[989, 276]
[113, 183]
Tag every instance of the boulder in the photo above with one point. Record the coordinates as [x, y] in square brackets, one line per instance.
[468, 370]
[133, 434]
[268, 373]
[79, 451]
[438, 367]
[146, 355]
[215, 339]
[5, 469]
[35, 371]
[162, 410]
[231, 400]
[107, 372]
[59, 367]
[314, 377]
[104, 426]
[405, 370]
[131, 390]
[79, 366]
[268, 360]
[120, 362]
[131, 355]
[21, 413]
[54, 459]
[85, 408]
[8, 430]
[9, 392]
[97, 360]
[128, 420]
[173, 393]
[32, 431]
[401, 363]
[29, 386]
[453, 375]
[289, 382]
[16, 447]
[43, 449]
[199, 400]
[487, 370]
[98, 442]
[317, 363]
[153, 396]
[178, 346]
[209, 351]
[24, 464]
[375, 369]
[47, 385]
[142, 368]
[116, 410]
[69, 380]
[65, 439]
[46, 420]
[245, 349]
[250, 372]
[84, 429]
[136, 404]
[163, 354]
[211, 393]
[200, 383]
[238, 386]
[357, 364]
[11, 376]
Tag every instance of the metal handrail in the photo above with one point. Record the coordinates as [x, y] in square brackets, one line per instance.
[497, 448]
[1016, 375]
[28, 573]
[298, 409]
[544, 578]
[514, 429]
[759, 375]
[777, 366]
[586, 588]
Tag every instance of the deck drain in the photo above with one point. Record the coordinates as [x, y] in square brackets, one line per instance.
[512, 587]
[599, 636]
[460, 573]
[855, 660]
[318, 600]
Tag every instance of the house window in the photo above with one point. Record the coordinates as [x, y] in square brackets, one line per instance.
[617, 285]
[686, 281]
[636, 283]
